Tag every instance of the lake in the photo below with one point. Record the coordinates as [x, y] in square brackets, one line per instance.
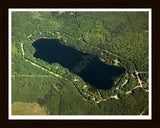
[90, 68]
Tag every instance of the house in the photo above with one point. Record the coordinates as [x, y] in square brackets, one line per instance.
[56, 67]
[71, 13]
[116, 62]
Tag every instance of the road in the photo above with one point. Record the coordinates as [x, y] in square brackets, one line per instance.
[45, 69]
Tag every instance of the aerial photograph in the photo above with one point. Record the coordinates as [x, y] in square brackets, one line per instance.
[73, 62]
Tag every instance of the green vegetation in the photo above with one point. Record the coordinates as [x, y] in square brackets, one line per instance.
[121, 36]
[128, 105]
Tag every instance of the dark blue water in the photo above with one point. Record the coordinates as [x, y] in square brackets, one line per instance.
[91, 69]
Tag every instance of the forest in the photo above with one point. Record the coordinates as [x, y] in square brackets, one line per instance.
[110, 36]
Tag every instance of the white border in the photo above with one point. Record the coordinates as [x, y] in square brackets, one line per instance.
[150, 63]
[81, 10]
[86, 117]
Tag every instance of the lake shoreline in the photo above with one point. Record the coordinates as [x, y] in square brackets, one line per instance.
[102, 70]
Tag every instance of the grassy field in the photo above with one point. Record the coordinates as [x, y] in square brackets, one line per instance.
[28, 109]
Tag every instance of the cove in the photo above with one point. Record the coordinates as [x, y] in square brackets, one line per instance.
[90, 68]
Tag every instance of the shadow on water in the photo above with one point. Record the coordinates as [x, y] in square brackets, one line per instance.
[91, 69]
